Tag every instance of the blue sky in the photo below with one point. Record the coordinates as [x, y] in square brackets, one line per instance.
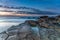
[45, 5]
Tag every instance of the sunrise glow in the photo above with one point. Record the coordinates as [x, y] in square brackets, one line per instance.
[16, 14]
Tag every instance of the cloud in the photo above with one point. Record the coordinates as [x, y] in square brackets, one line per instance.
[22, 11]
[18, 9]
[39, 4]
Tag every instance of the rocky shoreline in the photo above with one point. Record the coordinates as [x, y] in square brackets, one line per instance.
[49, 29]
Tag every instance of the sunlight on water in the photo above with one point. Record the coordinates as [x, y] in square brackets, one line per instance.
[5, 25]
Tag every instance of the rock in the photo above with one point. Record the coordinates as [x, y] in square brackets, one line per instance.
[31, 23]
[22, 31]
[48, 29]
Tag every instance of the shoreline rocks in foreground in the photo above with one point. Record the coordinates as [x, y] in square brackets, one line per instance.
[48, 29]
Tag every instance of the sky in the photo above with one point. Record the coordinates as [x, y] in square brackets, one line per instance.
[44, 5]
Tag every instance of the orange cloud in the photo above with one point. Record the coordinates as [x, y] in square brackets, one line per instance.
[16, 14]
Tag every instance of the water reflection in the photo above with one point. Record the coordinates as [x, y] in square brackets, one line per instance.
[5, 25]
